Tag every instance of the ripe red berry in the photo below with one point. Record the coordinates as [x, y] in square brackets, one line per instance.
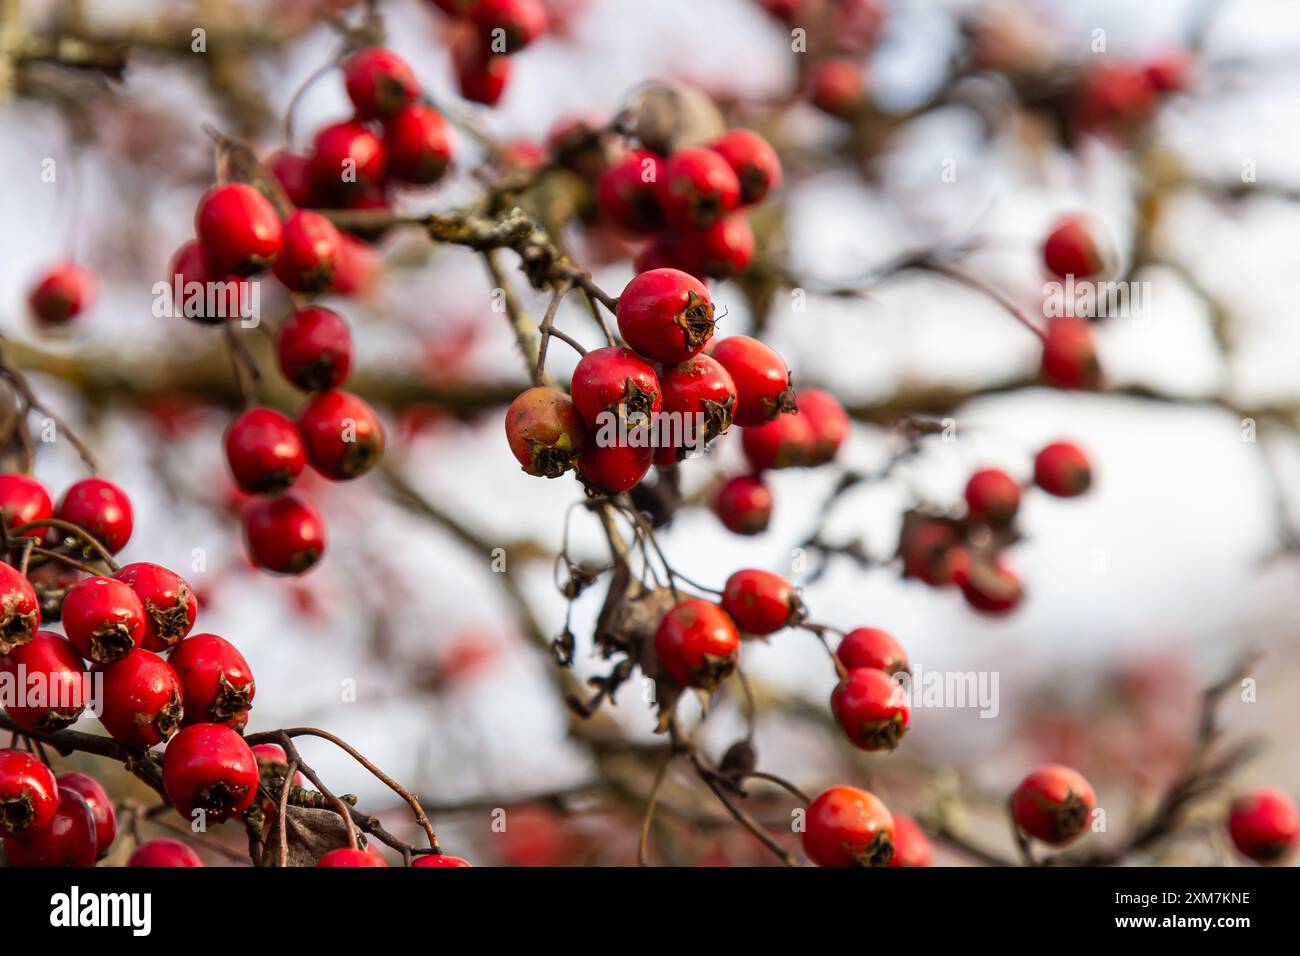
[208, 767]
[29, 796]
[347, 159]
[870, 647]
[1053, 804]
[784, 442]
[744, 505]
[100, 508]
[217, 685]
[439, 859]
[544, 431]
[293, 172]
[836, 86]
[723, 249]
[23, 499]
[1264, 824]
[931, 550]
[989, 586]
[993, 497]
[481, 74]
[872, 708]
[911, 845]
[612, 469]
[62, 293]
[628, 193]
[761, 602]
[418, 140]
[666, 315]
[754, 162]
[762, 380]
[614, 380]
[519, 23]
[309, 251]
[68, 840]
[169, 603]
[346, 857]
[141, 699]
[697, 644]
[379, 82]
[283, 535]
[1114, 98]
[314, 349]
[827, 419]
[164, 852]
[101, 807]
[697, 187]
[1071, 248]
[207, 296]
[703, 390]
[239, 229]
[1070, 355]
[19, 611]
[50, 659]
[265, 451]
[104, 619]
[846, 826]
[342, 434]
[1062, 469]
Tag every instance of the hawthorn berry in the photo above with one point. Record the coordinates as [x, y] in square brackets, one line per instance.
[69, 839]
[988, 585]
[614, 380]
[62, 674]
[308, 254]
[29, 796]
[846, 826]
[61, 293]
[1114, 98]
[697, 644]
[544, 431]
[931, 550]
[141, 699]
[1069, 355]
[379, 83]
[293, 172]
[761, 602]
[697, 188]
[993, 497]
[20, 614]
[217, 684]
[283, 535]
[785, 442]
[342, 435]
[516, 22]
[208, 297]
[627, 192]
[1264, 824]
[265, 451]
[314, 349]
[347, 857]
[101, 509]
[871, 707]
[208, 767]
[829, 423]
[439, 859]
[238, 228]
[702, 389]
[744, 505]
[1071, 249]
[666, 315]
[347, 159]
[762, 380]
[836, 85]
[1062, 469]
[481, 73]
[418, 141]
[1053, 804]
[911, 845]
[357, 268]
[612, 469]
[101, 807]
[723, 249]
[754, 162]
[23, 500]
[870, 647]
[163, 852]
[169, 603]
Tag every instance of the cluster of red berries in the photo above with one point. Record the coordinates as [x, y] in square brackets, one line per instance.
[49, 821]
[1115, 97]
[487, 33]
[62, 293]
[1073, 249]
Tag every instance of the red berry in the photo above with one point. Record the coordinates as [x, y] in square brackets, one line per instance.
[666, 315]
[520, 22]
[265, 451]
[784, 442]
[61, 293]
[29, 797]
[1062, 469]
[723, 249]
[1053, 804]
[283, 535]
[104, 619]
[310, 250]
[314, 349]
[435, 859]
[1264, 824]
[614, 380]
[1171, 71]
[101, 807]
[836, 86]
[1071, 249]
[293, 172]
[612, 469]
[19, 611]
[993, 497]
[208, 767]
[697, 644]
[238, 228]
[761, 602]
[49, 658]
[989, 586]
[481, 74]
[141, 699]
[207, 296]
[697, 187]
[872, 708]
[931, 550]
[846, 826]
[274, 754]
[911, 846]
[217, 685]
[871, 647]
[348, 857]
[169, 603]
[164, 852]
[827, 419]
[762, 380]
[379, 82]
[703, 390]
[744, 505]
[23, 500]
[1114, 97]
[754, 162]
[1069, 355]
[68, 840]
[347, 159]
[357, 268]
[418, 140]
[342, 435]
[100, 508]
[628, 194]
[544, 431]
